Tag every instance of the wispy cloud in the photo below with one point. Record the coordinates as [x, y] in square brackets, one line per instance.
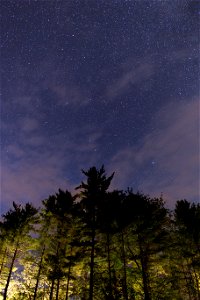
[70, 95]
[33, 168]
[31, 181]
[130, 76]
[167, 160]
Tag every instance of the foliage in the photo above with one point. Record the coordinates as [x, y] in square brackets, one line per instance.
[100, 244]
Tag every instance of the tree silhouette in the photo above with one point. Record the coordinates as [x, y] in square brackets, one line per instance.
[147, 231]
[187, 221]
[92, 193]
[100, 244]
[109, 210]
[59, 209]
[17, 224]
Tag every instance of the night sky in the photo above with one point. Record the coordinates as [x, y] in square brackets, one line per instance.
[92, 82]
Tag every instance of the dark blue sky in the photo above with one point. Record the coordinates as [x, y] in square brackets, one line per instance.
[99, 82]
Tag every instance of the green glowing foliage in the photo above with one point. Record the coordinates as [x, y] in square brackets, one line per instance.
[16, 225]
[100, 244]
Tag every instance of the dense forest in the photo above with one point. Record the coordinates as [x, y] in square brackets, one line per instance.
[100, 244]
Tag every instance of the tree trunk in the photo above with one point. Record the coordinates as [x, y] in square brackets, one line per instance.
[92, 266]
[57, 289]
[68, 276]
[52, 288]
[10, 272]
[145, 277]
[145, 280]
[38, 275]
[68, 279]
[124, 286]
[109, 266]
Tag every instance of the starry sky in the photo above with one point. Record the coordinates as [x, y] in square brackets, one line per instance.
[92, 82]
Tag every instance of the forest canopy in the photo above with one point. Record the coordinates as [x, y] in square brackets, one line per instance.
[100, 244]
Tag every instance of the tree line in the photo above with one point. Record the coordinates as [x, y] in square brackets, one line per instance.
[100, 244]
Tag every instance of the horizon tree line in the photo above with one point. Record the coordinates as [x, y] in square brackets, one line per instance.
[100, 245]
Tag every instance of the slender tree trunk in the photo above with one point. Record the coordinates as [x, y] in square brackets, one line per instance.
[68, 279]
[109, 266]
[52, 288]
[92, 266]
[57, 289]
[4, 256]
[38, 275]
[124, 287]
[10, 272]
[145, 277]
[68, 276]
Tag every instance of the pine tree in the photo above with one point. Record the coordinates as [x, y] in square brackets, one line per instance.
[92, 193]
[17, 223]
[187, 225]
